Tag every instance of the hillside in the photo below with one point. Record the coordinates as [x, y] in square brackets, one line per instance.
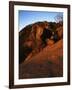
[48, 63]
[44, 60]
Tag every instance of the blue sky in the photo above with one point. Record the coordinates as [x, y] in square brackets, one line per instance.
[29, 17]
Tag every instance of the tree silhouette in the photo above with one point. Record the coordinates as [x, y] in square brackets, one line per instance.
[59, 18]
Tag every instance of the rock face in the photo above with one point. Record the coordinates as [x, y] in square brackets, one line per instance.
[40, 58]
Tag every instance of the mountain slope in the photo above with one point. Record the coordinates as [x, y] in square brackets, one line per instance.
[47, 63]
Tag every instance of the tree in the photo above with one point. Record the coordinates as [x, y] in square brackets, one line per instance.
[59, 18]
